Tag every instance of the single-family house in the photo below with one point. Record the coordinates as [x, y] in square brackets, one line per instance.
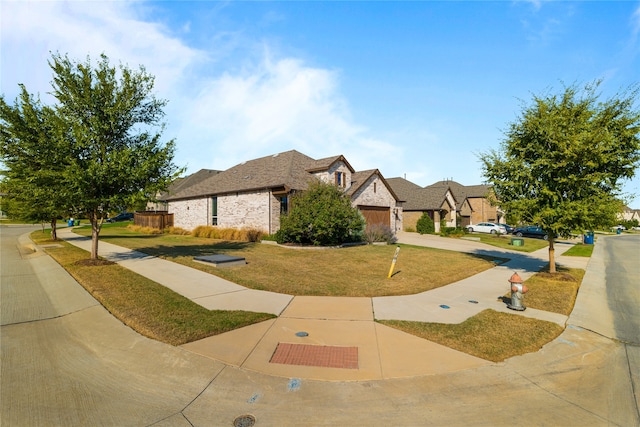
[438, 202]
[254, 194]
[474, 203]
[629, 214]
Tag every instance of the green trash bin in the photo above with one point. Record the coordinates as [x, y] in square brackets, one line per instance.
[517, 241]
[77, 222]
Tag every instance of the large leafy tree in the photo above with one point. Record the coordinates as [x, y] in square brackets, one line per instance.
[29, 134]
[563, 161]
[108, 131]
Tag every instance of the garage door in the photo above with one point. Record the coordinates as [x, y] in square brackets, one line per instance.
[376, 215]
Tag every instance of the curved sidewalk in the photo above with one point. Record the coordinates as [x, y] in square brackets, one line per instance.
[339, 323]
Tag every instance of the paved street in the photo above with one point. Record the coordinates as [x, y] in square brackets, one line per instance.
[67, 361]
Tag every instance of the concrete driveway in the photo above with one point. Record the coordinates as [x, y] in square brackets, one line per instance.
[66, 361]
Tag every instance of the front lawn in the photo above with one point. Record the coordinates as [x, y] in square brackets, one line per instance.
[353, 271]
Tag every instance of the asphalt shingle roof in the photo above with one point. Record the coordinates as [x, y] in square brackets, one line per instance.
[461, 192]
[418, 198]
[287, 170]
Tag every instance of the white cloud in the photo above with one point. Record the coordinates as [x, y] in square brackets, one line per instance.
[219, 118]
[31, 30]
[274, 106]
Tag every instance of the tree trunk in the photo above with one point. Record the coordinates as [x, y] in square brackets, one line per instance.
[54, 229]
[95, 233]
[552, 256]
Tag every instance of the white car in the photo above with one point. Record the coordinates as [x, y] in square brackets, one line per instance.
[487, 227]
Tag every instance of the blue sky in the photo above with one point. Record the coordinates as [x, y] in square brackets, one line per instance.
[416, 89]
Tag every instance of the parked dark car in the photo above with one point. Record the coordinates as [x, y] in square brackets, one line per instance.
[531, 231]
[125, 216]
[509, 228]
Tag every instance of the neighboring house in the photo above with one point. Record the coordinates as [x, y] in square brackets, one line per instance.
[255, 193]
[438, 202]
[629, 214]
[477, 207]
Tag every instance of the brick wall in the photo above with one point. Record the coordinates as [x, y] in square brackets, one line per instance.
[189, 214]
[375, 193]
[482, 211]
[245, 210]
[242, 210]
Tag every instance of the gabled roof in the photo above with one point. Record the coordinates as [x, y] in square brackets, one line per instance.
[286, 170]
[417, 198]
[358, 179]
[461, 192]
[327, 162]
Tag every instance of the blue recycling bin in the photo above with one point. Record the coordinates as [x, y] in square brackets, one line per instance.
[588, 238]
[70, 223]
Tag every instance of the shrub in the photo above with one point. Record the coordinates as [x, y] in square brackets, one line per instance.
[379, 233]
[321, 215]
[452, 231]
[425, 224]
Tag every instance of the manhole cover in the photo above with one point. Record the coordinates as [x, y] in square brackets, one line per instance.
[244, 421]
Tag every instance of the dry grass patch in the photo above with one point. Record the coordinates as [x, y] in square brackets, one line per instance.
[353, 271]
[554, 292]
[488, 335]
[147, 307]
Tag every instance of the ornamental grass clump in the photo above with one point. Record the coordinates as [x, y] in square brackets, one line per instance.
[243, 234]
[379, 233]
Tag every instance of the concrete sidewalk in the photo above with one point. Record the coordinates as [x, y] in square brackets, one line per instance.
[340, 322]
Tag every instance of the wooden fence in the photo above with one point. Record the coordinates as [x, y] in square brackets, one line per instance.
[153, 219]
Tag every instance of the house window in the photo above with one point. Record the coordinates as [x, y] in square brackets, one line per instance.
[375, 184]
[214, 211]
[284, 205]
[341, 178]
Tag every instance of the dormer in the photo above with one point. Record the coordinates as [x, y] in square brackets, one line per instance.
[334, 170]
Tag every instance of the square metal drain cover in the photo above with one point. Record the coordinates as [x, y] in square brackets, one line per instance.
[316, 355]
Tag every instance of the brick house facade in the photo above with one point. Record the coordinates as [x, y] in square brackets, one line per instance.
[255, 193]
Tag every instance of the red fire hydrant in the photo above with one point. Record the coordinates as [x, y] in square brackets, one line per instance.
[518, 289]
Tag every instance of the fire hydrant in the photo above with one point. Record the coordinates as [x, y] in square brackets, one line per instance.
[518, 289]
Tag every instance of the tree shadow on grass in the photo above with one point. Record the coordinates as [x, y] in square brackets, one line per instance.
[177, 251]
